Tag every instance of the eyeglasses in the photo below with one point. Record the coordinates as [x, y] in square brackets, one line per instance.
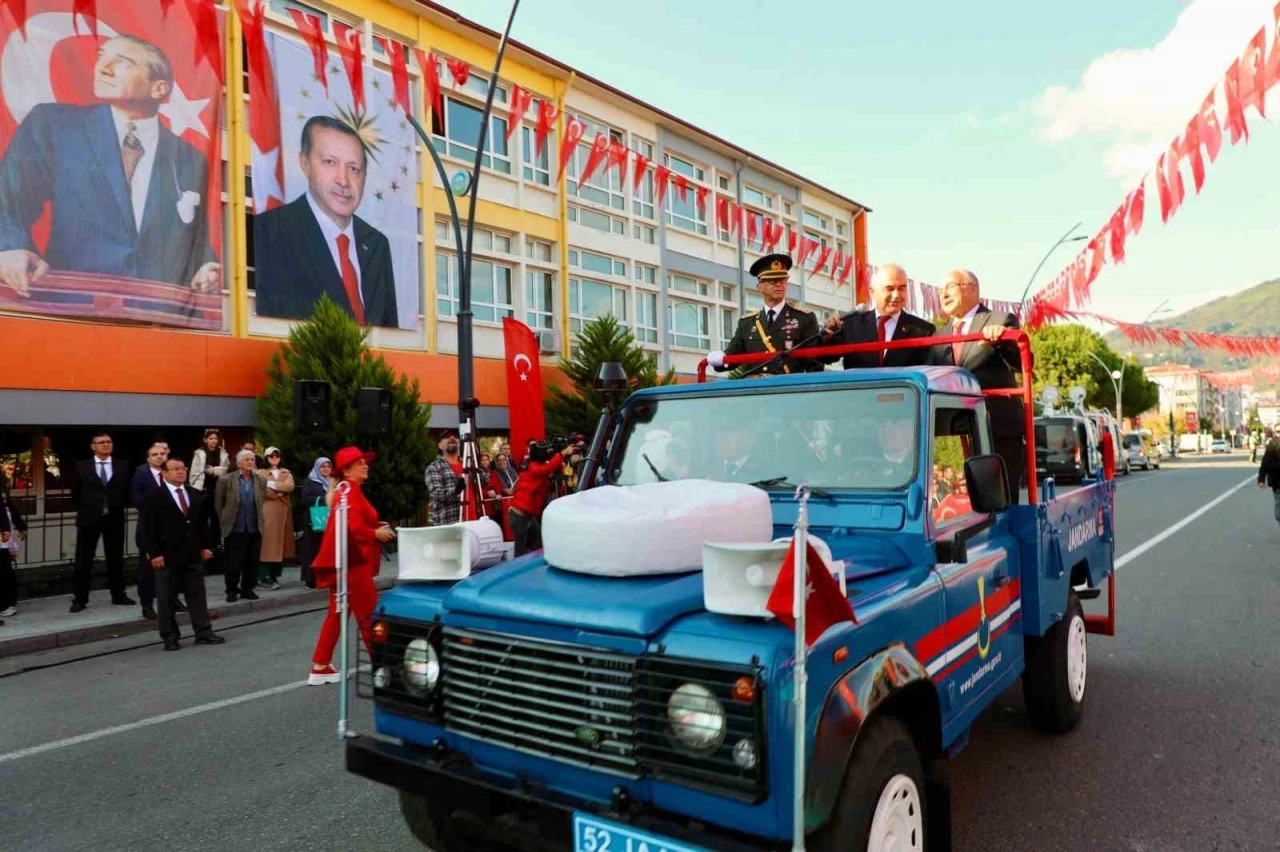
[954, 286]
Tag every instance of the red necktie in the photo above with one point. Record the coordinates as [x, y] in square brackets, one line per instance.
[881, 322]
[349, 281]
[957, 348]
[182, 502]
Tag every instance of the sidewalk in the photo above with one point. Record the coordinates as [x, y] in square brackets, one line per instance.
[44, 624]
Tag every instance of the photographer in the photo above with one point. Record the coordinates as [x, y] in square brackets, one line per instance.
[531, 495]
[445, 484]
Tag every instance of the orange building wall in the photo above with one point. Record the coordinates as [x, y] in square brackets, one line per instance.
[50, 355]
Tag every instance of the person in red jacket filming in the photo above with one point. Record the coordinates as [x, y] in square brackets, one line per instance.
[531, 495]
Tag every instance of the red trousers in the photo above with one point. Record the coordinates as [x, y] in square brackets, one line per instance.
[361, 599]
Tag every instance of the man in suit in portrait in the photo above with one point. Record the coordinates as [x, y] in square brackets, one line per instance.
[777, 327]
[886, 320]
[172, 525]
[993, 364]
[100, 492]
[125, 192]
[316, 245]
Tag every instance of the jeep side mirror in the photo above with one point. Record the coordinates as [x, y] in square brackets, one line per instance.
[987, 483]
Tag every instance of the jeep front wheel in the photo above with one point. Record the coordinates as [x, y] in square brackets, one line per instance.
[1053, 683]
[882, 803]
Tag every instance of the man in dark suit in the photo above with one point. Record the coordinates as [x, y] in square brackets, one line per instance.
[125, 192]
[100, 491]
[993, 364]
[1269, 468]
[777, 327]
[146, 479]
[171, 523]
[885, 321]
[316, 245]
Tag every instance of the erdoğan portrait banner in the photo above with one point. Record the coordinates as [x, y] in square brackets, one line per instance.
[110, 161]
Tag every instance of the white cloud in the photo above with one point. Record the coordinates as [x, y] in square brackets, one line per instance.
[1138, 99]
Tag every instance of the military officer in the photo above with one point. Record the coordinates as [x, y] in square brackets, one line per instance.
[777, 327]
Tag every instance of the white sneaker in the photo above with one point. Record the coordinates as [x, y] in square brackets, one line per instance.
[13, 610]
[319, 677]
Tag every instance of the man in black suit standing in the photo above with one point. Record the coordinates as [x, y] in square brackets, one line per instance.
[316, 245]
[125, 192]
[171, 523]
[146, 479]
[885, 321]
[778, 327]
[100, 491]
[993, 364]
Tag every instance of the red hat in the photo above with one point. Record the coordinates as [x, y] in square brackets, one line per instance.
[348, 456]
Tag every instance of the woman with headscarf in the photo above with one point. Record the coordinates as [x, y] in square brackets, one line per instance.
[366, 534]
[277, 521]
[314, 491]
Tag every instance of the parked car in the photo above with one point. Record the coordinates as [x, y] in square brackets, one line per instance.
[1065, 447]
[1220, 446]
[1137, 453]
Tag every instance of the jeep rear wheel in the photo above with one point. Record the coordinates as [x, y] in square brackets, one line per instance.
[1053, 683]
[882, 804]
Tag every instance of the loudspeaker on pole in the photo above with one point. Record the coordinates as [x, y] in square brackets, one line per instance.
[310, 405]
[373, 411]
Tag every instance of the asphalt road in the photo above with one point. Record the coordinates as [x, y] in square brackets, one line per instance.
[1179, 748]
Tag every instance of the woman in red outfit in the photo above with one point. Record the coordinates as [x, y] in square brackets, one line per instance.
[365, 535]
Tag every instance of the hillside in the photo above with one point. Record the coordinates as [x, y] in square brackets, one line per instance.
[1252, 312]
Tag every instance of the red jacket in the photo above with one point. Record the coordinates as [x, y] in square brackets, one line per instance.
[531, 488]
[364, 553]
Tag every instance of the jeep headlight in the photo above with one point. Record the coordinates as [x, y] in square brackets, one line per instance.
[421, 667]
[696, 717]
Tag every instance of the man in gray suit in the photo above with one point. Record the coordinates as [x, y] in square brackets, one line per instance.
[239, 499]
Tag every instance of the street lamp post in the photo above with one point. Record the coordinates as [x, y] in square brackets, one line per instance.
[1065, 238]
[467, 402]
[1116, 378]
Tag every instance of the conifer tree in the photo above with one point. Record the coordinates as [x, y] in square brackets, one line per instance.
[601, 340]
[332, 348]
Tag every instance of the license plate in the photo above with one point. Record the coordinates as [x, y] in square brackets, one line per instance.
[592, 834]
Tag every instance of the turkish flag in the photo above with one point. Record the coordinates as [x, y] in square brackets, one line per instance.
[520, 101]
[309, 27]
[524, 383]
[351, 49]
[823, 604]
[599, 151]
[573, 130]
[265, 142]
[400, 73]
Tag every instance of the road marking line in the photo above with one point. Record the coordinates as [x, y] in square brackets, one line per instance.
[153, 720]
[1161, 536]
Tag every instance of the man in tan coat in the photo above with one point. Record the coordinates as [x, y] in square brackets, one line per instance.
[239, 500]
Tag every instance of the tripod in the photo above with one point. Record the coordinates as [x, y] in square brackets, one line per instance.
[475, 479]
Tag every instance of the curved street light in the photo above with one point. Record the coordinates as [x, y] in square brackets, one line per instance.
[1117, 377]
[1065, 238]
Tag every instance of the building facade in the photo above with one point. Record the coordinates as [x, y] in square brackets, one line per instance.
[1184, 389]
[549, 250]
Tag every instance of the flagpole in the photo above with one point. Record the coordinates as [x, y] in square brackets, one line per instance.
[340, 601]
[800, 542]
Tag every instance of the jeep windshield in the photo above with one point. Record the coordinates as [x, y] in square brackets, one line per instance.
[862, 438]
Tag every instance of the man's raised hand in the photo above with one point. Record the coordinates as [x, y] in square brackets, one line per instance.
[19, 269]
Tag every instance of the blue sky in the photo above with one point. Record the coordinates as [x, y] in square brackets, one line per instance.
[977, 132]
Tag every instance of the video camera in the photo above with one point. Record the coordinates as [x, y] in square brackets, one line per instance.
[544, 451]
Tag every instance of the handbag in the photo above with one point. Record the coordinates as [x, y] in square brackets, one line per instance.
[319, 515]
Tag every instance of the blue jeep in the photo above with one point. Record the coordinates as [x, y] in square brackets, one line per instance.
[533, 708]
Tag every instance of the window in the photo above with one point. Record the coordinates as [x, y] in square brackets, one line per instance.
[786, 208]
[685, 213]
[685, 284]
[646, 274]
[538, 250]
[282, 7]
[642, 196]
[537, 167]
[686, 168]
[590, 299]
[813, 220]
[462, 129]
[646, 234]
[751, 195]
[483, 239]
[840, 228]
[646, 317]
[490, 288]
[605, 186]
[728, 326]
[688, 324]
[599, 263]
[597, 220]
[727, 292]
[540, 299]
[842, 247]
[955, 440]
[722, 181]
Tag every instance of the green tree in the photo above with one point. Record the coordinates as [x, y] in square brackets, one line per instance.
[601, 340]
[1064, 358]
[332, 348]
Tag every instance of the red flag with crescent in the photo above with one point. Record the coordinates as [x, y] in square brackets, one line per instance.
[599, 150]
[430, 69]
[400, 73]
[52, 54]
[661, 176]
[573, 132]
[524, 383]
[547, 115]
[351, 49]
[641, 169]
[520, 100]
[265, 142]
